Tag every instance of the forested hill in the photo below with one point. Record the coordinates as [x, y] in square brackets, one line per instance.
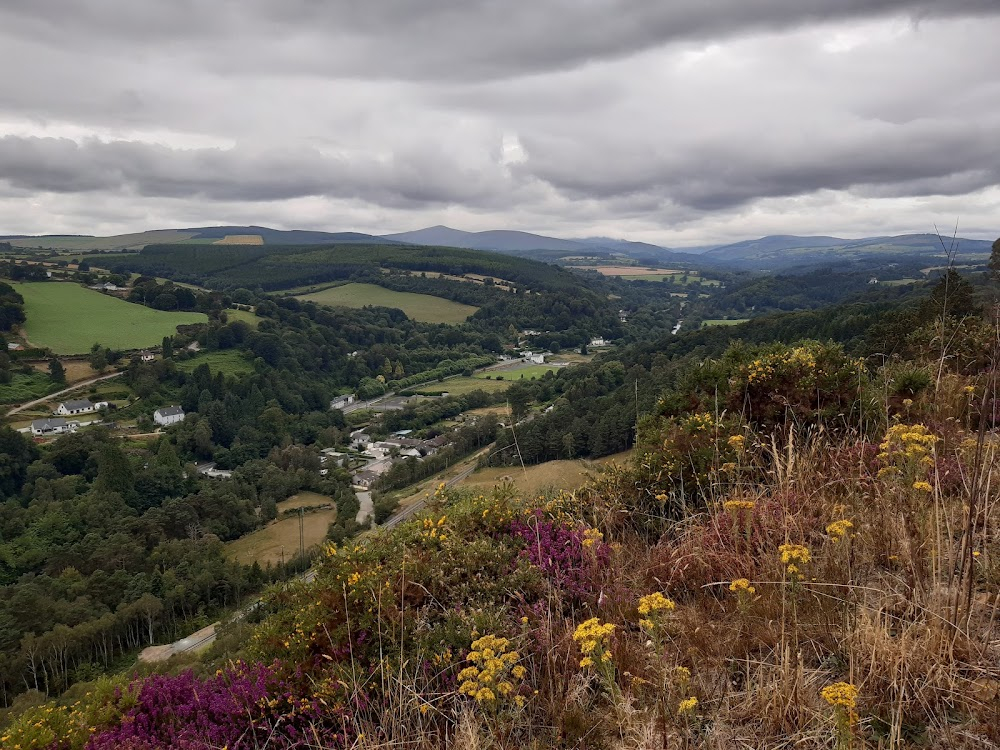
[277, 267]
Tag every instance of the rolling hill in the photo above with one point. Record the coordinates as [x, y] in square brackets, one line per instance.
[779, 251]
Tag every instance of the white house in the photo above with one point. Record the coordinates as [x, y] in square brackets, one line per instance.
[537, 359]
[82, 406]
[360, 439]
[53, 426]
[146, 356]
[341, 401]
[598, 341]
[168, 415]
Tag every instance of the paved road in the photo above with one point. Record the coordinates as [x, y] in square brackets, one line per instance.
[367, 506]
[72, 388]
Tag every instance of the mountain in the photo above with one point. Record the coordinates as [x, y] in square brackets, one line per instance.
[785, 251]
[193, 235]
[502, 240]
[538, 245]
[767, 245]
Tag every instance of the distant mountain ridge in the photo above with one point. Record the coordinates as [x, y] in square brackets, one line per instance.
[773, 252]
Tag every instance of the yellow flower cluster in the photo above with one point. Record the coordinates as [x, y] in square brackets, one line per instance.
[801, 358]
[838, 529]
[841, 695]
[592, 638]
[759, 370]
[923, 486]
[794, 555]
[738, 505]
[652, 607]
[907, 443]
[736, 442]
[742, 587]
[434, 530]
[494, 674]
[699, 422]
[687, 706]
[592, 537]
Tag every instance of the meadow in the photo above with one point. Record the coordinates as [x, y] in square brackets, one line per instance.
[421, 307]
[529, 372]
[229, 362]
[245, 315]
[69, 319]
[279, 540]
[462, 385]
[724, 322]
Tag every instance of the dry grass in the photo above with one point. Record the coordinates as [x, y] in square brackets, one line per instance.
[552, 475]
[279, 540]
[630, 270]
[240, 239]
[76, 370]
[304, 500]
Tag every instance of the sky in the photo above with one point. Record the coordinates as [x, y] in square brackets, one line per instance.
[679, 122]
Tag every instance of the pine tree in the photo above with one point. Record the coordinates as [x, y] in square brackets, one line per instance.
[56, 371]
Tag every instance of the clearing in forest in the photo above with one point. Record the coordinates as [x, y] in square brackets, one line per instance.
[279, 540]
[421, 307]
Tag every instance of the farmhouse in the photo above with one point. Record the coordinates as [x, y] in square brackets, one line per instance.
[53, 426]
[341, 401]
[365, 479]
[598, 341]
[146, 356]
[14, 347]
[168, 415]
[209, 470]
[82, 406]
[107, 287]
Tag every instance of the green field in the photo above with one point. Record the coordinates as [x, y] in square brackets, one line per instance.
[229, 362]
[722, 322]
[69, 319]
[461, 385]
[421, 307]
[526, 373]
[245, 315]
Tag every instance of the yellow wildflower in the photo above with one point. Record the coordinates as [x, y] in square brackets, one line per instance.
[838, 529]
[923, 486]
[738, 505]
[742, 586]
[654, 603]
[841, 694]
[686, 706]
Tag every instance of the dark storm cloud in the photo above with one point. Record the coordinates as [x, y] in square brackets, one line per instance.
[62, 165]
[415, 39]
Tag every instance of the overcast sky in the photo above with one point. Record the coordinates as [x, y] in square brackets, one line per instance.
[679, 122]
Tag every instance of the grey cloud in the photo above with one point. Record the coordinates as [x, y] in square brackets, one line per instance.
[440, 39]
[922, 159]
[62, 165]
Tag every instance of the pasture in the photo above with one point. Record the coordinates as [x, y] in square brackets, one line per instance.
[240, 239]
[280, 539]
[461, 385]
[69, 319]
[229, 362]
[528, 372]
[246, 316]
[627, 271]
[724, 322]
[421, 307]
